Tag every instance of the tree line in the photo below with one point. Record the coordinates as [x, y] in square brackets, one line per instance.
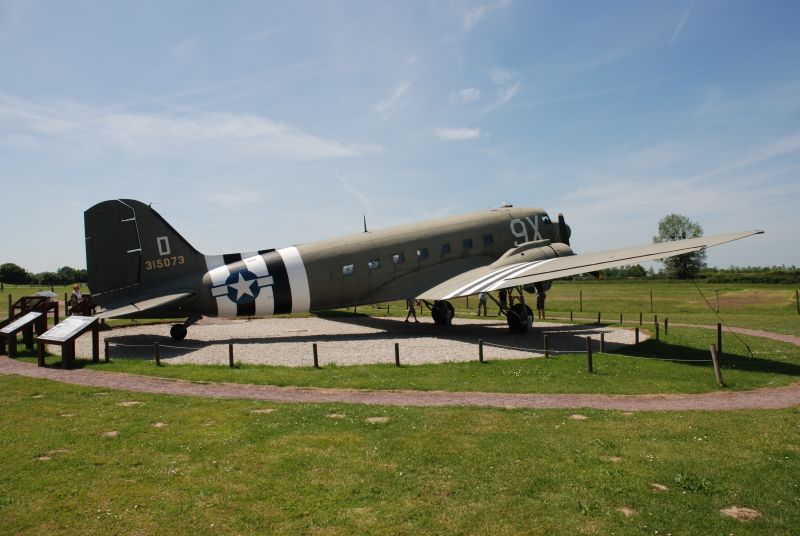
[12, 274]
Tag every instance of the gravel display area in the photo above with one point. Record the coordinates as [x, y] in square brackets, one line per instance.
[348, 341]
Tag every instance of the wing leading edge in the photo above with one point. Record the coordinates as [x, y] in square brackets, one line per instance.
[489, 278]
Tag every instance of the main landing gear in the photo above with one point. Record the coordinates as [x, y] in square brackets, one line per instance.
[178, 331]
[519, 316]
[442, 312]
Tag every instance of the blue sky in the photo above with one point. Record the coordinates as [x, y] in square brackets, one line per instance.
[264, 124]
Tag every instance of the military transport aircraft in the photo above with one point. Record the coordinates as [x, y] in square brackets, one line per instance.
[140, 267]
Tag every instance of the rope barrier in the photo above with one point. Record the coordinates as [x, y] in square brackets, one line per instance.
[716, 313]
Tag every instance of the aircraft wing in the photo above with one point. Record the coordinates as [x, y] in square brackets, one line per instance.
[512, 274]
[144, 305]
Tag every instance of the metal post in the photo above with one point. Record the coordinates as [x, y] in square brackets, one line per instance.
[546, 351]
[602, 342]
[230, 355]
[598, 318]
[397, 354]
[316, 356]
[157, 355]
[666, 326]
[637, 336]
[106, 355]
[480, 350]
[717, 370]
[580, 297]
[719, 337]
[589, 354]
[651, 300]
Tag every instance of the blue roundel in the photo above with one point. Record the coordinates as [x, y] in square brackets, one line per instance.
[242, 286]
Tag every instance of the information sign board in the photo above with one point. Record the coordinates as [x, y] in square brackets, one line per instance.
[68, 328]
[20, 322]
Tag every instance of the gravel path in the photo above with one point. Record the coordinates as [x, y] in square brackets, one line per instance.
[348, 341]
[767, 398]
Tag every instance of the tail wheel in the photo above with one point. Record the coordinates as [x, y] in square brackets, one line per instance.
[443, 313]
[178, 332]
[519, 318]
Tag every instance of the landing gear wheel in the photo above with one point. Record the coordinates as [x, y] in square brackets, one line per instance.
[178, 332]
[519, 318]
[442, 313]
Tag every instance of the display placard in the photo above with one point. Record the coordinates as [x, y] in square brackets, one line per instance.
[68, 328]
[20, 322]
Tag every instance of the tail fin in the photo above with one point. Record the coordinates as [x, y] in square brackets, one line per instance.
[128, 244]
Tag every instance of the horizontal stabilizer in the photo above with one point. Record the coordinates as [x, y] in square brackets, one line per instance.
[144, 305]
[489, 278]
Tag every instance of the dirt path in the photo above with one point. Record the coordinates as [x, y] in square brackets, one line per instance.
[767, 398]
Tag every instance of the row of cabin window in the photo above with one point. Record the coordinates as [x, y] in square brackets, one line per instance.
[422, 253]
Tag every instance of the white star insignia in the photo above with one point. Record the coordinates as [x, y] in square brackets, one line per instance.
[242, 287]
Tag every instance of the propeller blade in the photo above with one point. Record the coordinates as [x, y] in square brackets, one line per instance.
[563, 230]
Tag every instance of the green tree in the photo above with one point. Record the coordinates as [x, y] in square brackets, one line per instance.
[14, 275]
[678, 227]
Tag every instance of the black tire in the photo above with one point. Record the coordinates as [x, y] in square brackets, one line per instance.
[519, 319]
[178, 332]
[442, 313]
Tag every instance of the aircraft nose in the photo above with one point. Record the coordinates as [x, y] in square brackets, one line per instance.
[564, 232]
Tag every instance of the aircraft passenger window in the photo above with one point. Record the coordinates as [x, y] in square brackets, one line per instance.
[398, 258]
[347, 269]
[422, 253]
[374, 264]
[488, 240]
[467, 243]
[445, 249]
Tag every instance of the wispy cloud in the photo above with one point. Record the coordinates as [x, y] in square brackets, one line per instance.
[465, 95]
[358, 194]
[385, 105]
[507, 85]
[457, 134]
[472, 16]
[77, 125]
[681, 22]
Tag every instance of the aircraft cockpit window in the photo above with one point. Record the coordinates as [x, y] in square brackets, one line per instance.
[422, 253]
[467, 243]
[488, 240]
[545, 219]
[446, 249]
[374, 264]
[398, 258]
[347, 269]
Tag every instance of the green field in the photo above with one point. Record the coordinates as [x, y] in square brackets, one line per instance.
[214, 467]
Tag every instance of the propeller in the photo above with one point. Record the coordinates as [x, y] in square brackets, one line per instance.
[563, 229]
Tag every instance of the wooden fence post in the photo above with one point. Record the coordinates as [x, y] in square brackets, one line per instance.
[397, 354]
[480, 350]
[657, 331]
[719, 337]
[570, 316]
[580, 297]
[717, 370]
[598, 318]
[316, 356]
[637, 336]
[230, 354]
[666, 325]
[105, 350]
[546, 351]
[602, 342]
[589, 354]
[640, 318]
[717, 300]
[797, 299]
[651, 300]
[157, 355]
[10, 301]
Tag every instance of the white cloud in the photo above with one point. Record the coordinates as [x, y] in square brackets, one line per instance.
[76, 125]
[384, 106]
[472, 16]
[457, 134]
[466, 95]
[504, 94]
[681, 23]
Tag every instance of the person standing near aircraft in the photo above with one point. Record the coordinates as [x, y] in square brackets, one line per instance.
[503, 299]
[411, 310]
[540, 297]
[482, 297]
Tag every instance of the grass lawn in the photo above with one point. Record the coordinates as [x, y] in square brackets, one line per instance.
[193, 466]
